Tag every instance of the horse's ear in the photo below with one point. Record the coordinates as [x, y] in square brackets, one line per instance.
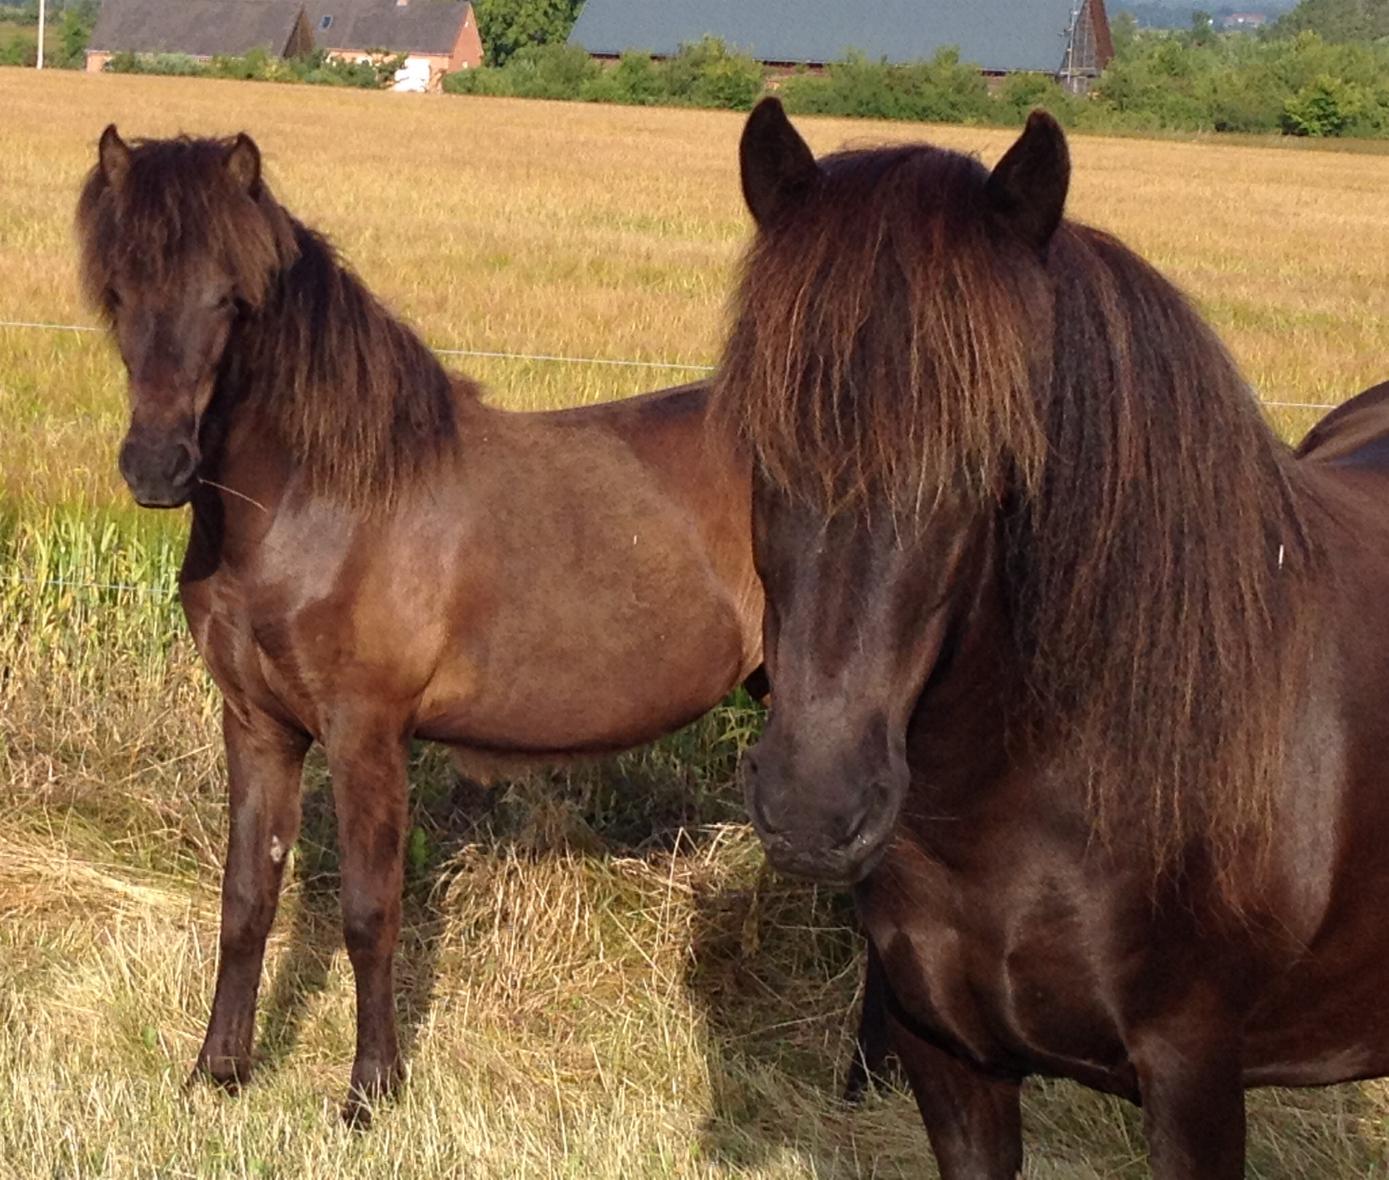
[776, 164]
[243, 164]
[113, 156]
[1028, 187]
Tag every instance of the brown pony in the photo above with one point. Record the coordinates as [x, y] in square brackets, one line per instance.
[377, 556]
[1080, 674]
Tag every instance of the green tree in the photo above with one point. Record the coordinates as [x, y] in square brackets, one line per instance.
[1123, 27]
[1338, 20]
[1202, 28]
[507, 26]
[74, 31]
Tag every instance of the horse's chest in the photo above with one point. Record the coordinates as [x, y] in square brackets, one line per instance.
[262, 658]
[224, 632]
[1009, 972]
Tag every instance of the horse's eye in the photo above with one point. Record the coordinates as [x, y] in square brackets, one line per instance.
[225, 303]
[113, 298]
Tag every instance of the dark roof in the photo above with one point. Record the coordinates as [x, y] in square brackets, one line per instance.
[420, 26]
[201, 28]
[995, 34]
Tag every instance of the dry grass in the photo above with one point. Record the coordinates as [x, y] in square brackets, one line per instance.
[598, 979]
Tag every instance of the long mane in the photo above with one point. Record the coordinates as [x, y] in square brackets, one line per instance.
[360, 400]
[892, 344]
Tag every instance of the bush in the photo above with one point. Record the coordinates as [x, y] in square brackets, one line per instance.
[251, 67]
[636, 80]
[487, 80]
[176, 64]
[18, 53]
[1326, 106]
[536, 71]
[707, 73]
[942, 90]
[1020, 94]
[258, 66]
[549, 71]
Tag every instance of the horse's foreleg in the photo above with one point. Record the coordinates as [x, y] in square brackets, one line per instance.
[264, 764]
[974, 1120]
[367, 761]
[870, 1046]
[1193, 1103]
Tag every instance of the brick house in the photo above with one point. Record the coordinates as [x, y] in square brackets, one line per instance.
[200, 29]
[439, 34]
[1067, 39]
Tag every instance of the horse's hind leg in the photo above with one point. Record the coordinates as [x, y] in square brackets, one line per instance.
[367, 761]
[974, 1120]
[264, 764]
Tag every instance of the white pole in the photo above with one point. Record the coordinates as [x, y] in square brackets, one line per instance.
[43, 15]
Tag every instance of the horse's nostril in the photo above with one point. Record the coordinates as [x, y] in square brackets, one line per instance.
[128, 459]
[182, 464]
[761, 817]
[857, 821]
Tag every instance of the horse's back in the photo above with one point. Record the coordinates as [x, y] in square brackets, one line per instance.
[1354, 433]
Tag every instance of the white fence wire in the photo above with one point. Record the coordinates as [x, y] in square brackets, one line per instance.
[485, 354]
[482, 354]
[556, 358]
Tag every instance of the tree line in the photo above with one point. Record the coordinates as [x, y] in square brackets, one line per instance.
[1194, 80]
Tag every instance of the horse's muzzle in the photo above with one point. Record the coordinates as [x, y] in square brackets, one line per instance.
[161, 474]
[845, 864]
[830, 833]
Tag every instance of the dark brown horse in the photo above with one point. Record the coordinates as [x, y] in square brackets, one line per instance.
[1081, 675]
[377, 556]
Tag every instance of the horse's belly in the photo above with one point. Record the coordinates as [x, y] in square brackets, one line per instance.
[587, 683]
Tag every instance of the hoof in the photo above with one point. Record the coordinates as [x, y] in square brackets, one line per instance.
[368, 1092]
[356, 1115]
[228, 1074]
[863, 1079]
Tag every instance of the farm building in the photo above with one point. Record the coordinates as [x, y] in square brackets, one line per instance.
[436, 36]
[1068, 39]
[198, 28]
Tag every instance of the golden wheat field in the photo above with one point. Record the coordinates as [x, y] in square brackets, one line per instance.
[598, 978]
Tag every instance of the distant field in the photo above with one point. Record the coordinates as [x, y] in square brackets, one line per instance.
[14, 31]
[598, 978]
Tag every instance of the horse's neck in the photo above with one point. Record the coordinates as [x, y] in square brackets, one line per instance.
[957, 736]
[248, 464]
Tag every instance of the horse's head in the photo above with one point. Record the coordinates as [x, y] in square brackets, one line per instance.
[892, 325]
[179, 240]
[858, 614]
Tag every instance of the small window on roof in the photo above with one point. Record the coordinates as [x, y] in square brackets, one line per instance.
[326, 23]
